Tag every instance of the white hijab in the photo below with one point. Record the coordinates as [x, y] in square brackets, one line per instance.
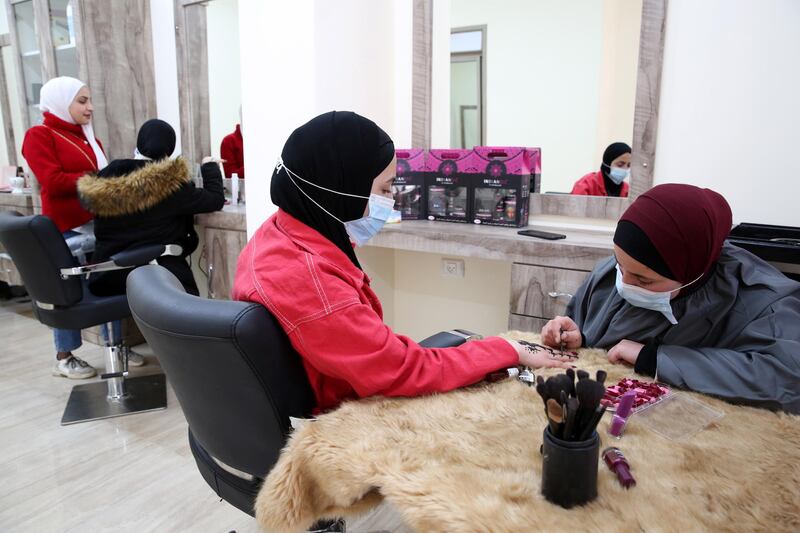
[56, 97]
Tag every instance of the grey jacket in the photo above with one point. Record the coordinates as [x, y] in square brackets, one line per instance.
[737, 336]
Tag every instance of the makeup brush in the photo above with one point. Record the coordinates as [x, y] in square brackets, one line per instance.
[601, 376]
[556, 384]
[571, 376]
[591, 426]
[569, 424]
[582, 374]
[555, 416]
[541, 388]
[589, 393]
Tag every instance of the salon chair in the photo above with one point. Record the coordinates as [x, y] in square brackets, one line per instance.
[236, 377]
[59, 292]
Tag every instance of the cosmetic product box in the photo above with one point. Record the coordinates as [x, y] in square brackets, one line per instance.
[409, 183]
[501, 180]
[447, 185]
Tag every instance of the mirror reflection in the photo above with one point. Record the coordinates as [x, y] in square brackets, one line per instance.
[224, 89]
[560, 76]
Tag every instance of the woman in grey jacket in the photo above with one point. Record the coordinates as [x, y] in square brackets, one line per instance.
[679, 303]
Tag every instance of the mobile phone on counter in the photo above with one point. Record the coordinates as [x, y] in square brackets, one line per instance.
[542, 234]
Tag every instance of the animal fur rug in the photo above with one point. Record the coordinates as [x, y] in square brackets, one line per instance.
[469, 460]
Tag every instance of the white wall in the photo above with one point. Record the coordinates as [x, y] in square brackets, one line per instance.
[418, 302]
[729, 110]
[276, 43]
[224, 74]
[304, 58]
[354, 59]
[165, 65]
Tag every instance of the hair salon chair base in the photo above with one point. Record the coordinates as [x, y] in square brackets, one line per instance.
[92, 402]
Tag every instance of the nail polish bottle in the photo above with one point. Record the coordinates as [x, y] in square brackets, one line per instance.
[622, 414]
[619, 465]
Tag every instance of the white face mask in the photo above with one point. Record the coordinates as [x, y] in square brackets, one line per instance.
[379, 210]
[618, 174]
[655, 301]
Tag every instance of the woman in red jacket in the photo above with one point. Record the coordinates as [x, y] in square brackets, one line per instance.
[59, 151]
[232, 153]
[333, 186]
[610, 179]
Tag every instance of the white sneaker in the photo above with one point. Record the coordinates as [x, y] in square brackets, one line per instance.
[73, 368]
[135, 359]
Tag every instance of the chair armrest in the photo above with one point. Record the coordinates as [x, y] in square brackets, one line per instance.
[130, 258]
[447, 339]
[144, 254]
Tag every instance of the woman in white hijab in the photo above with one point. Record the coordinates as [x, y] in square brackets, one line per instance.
[59, 151]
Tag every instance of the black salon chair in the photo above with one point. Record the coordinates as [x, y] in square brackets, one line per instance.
[59, 293]
[235, 374]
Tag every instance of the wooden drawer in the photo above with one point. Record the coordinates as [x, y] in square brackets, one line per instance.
[222, 249]
[542, 292]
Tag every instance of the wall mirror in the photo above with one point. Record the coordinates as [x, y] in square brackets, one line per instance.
[210, 78]
[568, 77]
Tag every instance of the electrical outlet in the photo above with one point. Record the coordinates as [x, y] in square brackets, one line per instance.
[452, 268]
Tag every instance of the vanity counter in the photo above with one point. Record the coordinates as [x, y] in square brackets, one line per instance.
[544, 274]
[580, 250]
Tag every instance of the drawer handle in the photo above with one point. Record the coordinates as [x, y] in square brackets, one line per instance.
[559, 294]
[211, 281]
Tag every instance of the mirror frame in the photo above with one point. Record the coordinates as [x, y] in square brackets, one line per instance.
[645, 117]
[191, 45]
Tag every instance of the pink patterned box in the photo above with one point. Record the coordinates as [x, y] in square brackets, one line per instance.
[502, 177]
[448, 185]
[409, 183]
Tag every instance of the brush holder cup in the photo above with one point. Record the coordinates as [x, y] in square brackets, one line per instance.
[569, 469]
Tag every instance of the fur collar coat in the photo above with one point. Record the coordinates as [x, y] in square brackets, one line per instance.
[137, 202]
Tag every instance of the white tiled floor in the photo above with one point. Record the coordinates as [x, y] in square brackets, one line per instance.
[128, 474]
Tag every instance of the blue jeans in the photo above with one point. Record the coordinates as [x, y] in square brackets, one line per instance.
[67, 340]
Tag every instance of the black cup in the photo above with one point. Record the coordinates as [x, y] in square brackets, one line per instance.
[569, 469]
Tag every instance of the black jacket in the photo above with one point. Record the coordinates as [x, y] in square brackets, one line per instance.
[137, 202]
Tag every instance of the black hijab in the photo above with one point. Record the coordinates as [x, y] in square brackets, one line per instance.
[156, 139]
[339, 150]
[613, 151]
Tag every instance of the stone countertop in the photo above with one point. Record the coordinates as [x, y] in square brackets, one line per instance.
[579, 251]
[16, 200]
[232, 217]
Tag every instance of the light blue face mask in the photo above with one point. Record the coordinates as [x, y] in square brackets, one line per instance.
[618, 175]
[655, 301]
[379, 210]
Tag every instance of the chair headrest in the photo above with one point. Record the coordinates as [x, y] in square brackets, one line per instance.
[39, 252]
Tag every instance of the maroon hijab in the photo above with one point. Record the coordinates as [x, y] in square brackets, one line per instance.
[686, 225]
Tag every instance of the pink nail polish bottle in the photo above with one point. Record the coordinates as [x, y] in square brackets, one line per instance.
[622, 414]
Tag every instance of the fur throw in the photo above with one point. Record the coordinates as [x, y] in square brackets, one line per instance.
[135, 192]
[469, 460]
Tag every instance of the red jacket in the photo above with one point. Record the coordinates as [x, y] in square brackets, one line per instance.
[335, 322]
[58, 154]
[593, 184]
[232, 151]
